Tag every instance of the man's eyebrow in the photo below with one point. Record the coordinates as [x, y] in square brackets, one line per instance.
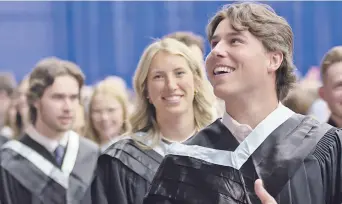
[229, 34]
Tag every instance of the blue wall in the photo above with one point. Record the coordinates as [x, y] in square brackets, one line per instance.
[108, 37]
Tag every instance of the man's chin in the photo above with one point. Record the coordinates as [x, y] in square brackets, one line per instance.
[65, 128]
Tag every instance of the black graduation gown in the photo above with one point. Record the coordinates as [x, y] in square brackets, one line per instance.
[299, 163]
[331, 122]
[124, 173]
[37, 179]
[3, 140]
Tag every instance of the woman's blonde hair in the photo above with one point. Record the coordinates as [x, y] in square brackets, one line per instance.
[144, 115]
[79, 125]
[106, 87]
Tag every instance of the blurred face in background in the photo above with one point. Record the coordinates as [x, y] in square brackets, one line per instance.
[5, 101]
[107, 116]
[170, 84]
[56, 109]
[331, 92]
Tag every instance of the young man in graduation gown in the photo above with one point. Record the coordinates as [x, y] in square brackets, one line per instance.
[297, 158]
[331, 72]
[50, 163]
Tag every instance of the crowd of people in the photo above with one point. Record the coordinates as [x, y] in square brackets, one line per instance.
[235, 126]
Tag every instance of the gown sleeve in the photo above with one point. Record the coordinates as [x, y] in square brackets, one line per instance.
[11, 191]
[329, 156]
[116, 183]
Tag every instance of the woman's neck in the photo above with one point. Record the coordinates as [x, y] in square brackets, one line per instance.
[178, 128]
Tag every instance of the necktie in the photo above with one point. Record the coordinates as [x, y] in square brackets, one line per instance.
[59, 153]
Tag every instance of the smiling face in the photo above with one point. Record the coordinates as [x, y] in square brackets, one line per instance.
[107, 115]
[331, 92]
[170, 84]
[237, 63]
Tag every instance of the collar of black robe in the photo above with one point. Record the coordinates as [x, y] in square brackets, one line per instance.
[281, 154]
[332, 122]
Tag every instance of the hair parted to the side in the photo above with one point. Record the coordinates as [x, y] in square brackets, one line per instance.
[108, 88]
[271, 29]
[144, 115]
[188, 38]
[334, 55]
[44, 75]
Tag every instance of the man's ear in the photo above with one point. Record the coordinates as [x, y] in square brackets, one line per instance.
[36, 104]
[321, 93]
[276, 58]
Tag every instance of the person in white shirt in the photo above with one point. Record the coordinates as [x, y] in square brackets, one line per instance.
[330, 91]
[173, 102]
[50, 163]
[250, 67]
[108, 115]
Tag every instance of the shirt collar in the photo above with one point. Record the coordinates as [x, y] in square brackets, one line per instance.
[48, 143]
[238, 130]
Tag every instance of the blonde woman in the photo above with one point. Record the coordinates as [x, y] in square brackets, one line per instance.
[108, 114]
[173, 102]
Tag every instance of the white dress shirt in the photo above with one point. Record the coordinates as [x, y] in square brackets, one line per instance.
[47, 143]
[250, 140]
[238, 130]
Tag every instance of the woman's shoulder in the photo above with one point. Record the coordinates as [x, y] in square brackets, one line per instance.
[133, 155]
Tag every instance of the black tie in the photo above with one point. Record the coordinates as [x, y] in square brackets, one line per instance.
[59, 154]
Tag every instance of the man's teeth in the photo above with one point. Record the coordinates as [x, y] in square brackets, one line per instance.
[223, 70]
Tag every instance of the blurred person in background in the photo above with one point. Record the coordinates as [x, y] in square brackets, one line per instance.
[117, 82]
[120, 84]
[173, 102]
[86, 93]
[302, 96]
[7, 86]
[108, 114]
[297, 158]
[297, 100]
[50, 163]
[320, 110]
[79, 125]
[193, 41]
[331, 90]
[18, 113]
[312, 81]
